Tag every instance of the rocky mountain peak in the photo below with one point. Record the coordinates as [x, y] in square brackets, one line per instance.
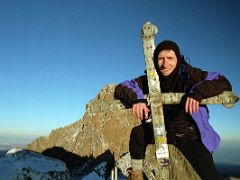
[102, 135]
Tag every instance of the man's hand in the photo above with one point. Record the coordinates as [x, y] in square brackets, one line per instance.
[191, 105]
[140, 110]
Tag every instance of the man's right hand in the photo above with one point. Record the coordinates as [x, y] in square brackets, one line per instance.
[140, 110]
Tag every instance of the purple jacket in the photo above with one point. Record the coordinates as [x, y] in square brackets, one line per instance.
[209, 136]
[199, 85]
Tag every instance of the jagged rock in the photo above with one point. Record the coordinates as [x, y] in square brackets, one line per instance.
[102, 135]
[24, 164]
[96, 136]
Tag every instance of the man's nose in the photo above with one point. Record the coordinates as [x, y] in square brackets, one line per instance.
[165, 62]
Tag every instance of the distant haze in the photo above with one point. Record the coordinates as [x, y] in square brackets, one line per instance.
[9, 141]
[228, 152]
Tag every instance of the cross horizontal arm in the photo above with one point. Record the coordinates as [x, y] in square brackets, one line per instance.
[227, 98]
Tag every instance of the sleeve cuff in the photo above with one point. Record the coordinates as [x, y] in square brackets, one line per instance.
[196, 97]
[140, 101]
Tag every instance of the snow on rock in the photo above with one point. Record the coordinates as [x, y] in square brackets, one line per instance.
[24, 164]
[13, 150]
[97, 173]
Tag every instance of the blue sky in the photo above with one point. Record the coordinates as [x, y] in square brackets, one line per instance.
[56, 55]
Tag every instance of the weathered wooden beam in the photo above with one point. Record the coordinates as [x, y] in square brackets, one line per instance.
[227, 98]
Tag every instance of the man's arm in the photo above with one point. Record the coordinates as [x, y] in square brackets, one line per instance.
[206, 84]
[132, 92]
[211, 87]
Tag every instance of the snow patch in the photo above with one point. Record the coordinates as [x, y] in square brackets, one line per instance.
[13, 150]
[19, 163]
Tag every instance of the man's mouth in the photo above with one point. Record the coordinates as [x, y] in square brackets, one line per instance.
[165, 69]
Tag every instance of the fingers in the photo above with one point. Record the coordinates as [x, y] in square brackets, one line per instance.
[140, 110]
[146, 110]
[186, 105]
[136, 110]
[196, 106]
[191, 106]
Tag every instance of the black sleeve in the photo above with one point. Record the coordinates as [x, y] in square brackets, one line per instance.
[132, 91]
[210, 88]
[207, 84]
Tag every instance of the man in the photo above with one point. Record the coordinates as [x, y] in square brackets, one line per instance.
[186, 124]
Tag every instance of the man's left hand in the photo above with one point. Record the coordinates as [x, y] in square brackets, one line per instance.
[191, 106]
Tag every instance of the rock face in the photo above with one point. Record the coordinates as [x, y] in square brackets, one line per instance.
[179, 167]
[102, 135]
[24, 164]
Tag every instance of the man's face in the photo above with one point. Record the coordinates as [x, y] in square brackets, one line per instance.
[167, 62]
